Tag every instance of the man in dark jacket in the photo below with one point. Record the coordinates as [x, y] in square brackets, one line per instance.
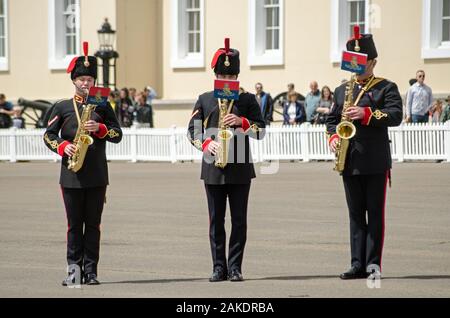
[83, 191]
[368, 162]
[265, 102]
[232, 182]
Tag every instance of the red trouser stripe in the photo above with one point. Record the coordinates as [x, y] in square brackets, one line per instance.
[383, 218]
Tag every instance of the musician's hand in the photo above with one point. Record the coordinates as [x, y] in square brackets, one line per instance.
[355, 113]
[92, 126]
[70, 150]
[333, 144]
[213, 147]
[232, 120]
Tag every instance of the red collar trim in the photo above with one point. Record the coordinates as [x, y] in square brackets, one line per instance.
[79, 99]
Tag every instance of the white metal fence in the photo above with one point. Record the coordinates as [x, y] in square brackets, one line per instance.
[306, 143]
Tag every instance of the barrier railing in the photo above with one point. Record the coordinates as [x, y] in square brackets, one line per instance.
[306, 142]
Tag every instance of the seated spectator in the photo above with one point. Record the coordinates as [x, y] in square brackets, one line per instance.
[150, 94]
[446, 111]
[436, 111]
[113, 100]
[282, 98]
[126, 109]
[6, 111]
[144, 112]
[325, 103]
[412, 81]
[312, 101]
[18, 121]
[293, 111]
[133, 96]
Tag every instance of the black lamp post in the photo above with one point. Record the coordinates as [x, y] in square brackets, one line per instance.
[106, 37]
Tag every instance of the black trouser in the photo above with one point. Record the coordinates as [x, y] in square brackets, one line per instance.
[84, 211]
[366, 199]
[217, 200]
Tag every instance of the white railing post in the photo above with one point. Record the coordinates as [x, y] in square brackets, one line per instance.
[304, 141]
[399, 138]
[173, 144]
[134, 138]
[447, 141]
[12, 144]
[411, 142]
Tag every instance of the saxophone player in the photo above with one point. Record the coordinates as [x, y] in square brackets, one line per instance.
[230, 179]
[83, 191]
[368, 162]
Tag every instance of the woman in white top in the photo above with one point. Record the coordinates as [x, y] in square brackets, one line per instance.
[293, 111]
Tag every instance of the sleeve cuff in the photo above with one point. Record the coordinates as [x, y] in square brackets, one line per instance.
[335, 136]
[206, 144]
[367, 116]
[102, 131]
[62, 147]
[245, 124]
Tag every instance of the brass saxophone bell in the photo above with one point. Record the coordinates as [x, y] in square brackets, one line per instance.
[346, 130]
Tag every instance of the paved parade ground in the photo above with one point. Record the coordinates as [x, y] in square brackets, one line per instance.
[155, 234]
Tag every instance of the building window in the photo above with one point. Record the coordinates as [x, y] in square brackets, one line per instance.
[187, 34]
[4, 35]
[345, 14]
[64, 32]
[193, 17]
[446, 22]
[436, 29]
[357, 14]
[266, 32]
[272, 24]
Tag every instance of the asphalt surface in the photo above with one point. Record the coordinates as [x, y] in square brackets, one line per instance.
[155, 234]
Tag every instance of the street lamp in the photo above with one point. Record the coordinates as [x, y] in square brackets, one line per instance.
[106, 37]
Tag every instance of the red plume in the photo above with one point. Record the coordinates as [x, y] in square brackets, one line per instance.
[357, 34]
[85, 48]
[216, 58]
[227, 45]
[72, 65]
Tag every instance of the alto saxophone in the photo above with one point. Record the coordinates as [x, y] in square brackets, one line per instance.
[346, 130]
[82, 141]
[224, 135]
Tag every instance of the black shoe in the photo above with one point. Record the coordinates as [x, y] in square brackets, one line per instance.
[71, 280]
[235, 276]
[91, 279]
[218, 275]
[354, 273]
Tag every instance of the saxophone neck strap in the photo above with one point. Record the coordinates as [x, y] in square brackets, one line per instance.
[77, 113]
[230, 106]
[371, 83]
[229, 110]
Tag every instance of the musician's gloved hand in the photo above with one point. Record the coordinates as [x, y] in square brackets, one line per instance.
[92, 126]
[70, 150]
[333, 144]
[232, 120]
[213, 147]
[355, 113]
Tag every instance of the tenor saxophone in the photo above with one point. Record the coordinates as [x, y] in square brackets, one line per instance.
[224, 136]
[82, 141]
[346, 130]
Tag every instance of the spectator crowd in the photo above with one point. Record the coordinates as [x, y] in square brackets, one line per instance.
[134, 108]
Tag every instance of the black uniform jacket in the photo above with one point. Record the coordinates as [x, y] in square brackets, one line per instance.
[203, 128]
[61, 130]
[369, 151]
